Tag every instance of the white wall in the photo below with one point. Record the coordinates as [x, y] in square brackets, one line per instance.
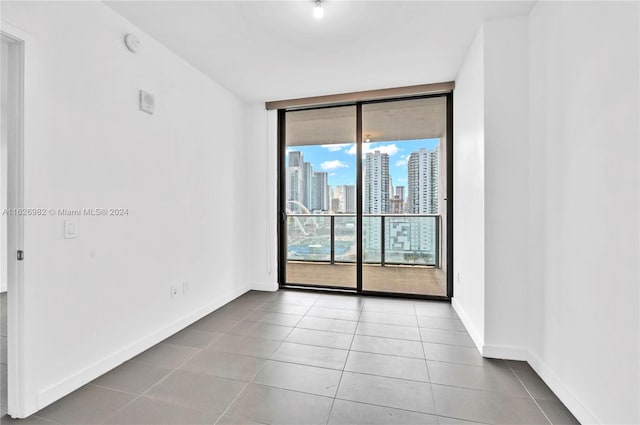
[558, 185]
[584, 206]
[4, 136]
[94, 301]
[491, 188]
[468, 191]
[506, 185]
[261, 169]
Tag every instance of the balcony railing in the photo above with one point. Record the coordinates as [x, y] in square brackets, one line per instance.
[387, 239]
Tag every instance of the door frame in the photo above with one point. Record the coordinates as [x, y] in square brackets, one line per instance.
[282, 217]
[16, 354]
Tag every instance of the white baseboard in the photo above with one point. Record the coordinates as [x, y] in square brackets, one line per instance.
[561, 390]
[471, 329]
[88, 374]
[268, 286]
[505, 352]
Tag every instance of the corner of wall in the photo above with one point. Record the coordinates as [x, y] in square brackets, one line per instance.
[506, 184]
[468, 214]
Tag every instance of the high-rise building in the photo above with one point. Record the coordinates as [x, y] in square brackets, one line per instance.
[423, 182]
[337, 192]
[346, 194]
[294, 192]
[376, 200]
[296, 181]
[320, 191]
[349, 195]
[295, 159]
[335, 205]
[376, 183]
[422, 197]
[307, 180]
[397, 201]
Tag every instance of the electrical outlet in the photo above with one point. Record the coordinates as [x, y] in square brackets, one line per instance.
[173, 291]
[185, 288]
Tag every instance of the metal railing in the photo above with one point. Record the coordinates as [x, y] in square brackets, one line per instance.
[393, 239]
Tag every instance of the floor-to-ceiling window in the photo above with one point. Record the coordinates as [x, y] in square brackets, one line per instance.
[320, 172]
[364, 196]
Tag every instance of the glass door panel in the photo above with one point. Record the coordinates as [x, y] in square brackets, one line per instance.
[404, 187]
[320, 198]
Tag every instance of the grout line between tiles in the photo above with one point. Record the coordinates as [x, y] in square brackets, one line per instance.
[388, 407]
[113, 389]
[154, 385]
[529, 392]
[252, 378]
[344, 367]
[232, 402]
[462, 419]
[504, 394]
[44, 419]
[426, 363]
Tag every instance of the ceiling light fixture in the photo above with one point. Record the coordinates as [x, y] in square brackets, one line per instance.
[318, 11]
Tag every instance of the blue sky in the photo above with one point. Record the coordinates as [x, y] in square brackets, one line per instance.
[340, 160]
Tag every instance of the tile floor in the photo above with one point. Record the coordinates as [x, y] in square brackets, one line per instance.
[307, 358]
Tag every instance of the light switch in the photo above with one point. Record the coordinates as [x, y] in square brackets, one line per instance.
[147, 102]
[69, 229]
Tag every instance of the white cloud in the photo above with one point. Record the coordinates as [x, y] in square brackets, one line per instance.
[391, 149]
[332, 174]
[332, 165]
[402, 162]
[401, 180]
[335, 147]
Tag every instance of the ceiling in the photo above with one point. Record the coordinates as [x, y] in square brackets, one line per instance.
[273, 50]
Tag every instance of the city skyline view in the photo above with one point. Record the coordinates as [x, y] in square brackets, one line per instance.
[339, 160]
[413, 163]
[399, 177]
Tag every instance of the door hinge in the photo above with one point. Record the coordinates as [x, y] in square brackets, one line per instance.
[20, 255]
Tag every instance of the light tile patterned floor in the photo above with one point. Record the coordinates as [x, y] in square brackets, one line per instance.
[309, 358]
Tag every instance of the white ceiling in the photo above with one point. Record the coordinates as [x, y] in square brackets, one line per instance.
[273, 50]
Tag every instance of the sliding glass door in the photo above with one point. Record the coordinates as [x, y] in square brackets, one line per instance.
[363, 197]
[320, 197]
[403, 156]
